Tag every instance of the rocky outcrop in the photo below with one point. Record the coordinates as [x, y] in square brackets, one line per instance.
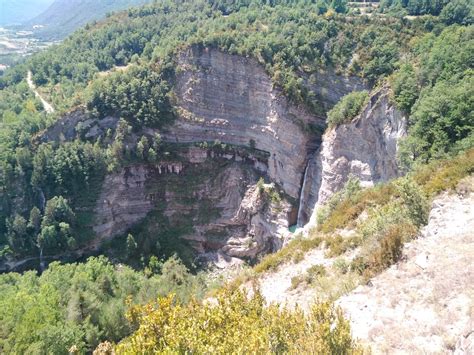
[207, 198]
[365, 148]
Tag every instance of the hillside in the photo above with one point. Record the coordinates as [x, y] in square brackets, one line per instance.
[204, 148]
[63, 17]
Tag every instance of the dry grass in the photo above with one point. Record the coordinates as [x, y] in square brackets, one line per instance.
[293, 251]
[445, 175]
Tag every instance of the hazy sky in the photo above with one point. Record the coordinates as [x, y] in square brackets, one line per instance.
[17, 11]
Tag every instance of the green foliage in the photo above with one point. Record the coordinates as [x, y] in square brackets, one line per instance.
[458, 11]
[405, 87]
[138, 94]
[442, 116]
[449, 11]
[348, 192]
[220, 325]
[80, 304]
[415, 202]
[56, 226]
[347, 108]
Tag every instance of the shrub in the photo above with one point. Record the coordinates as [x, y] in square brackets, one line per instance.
[390, 248]
[347, 108]
[342, 266]
[235, 323]
[415, 203]
[348, 192]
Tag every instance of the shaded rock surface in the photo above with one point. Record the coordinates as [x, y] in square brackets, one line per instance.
[208, 199]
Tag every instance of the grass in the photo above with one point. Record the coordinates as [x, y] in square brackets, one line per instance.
[292, 251]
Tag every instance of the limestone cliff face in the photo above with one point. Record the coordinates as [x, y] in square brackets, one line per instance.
[365, 148]
[232, 99]
[209, 199]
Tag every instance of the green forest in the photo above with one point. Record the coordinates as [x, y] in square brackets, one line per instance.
[125, 66]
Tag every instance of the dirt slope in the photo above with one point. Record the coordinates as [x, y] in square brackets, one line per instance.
[425, 303]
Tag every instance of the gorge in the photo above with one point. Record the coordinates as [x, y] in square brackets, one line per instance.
[235, 126]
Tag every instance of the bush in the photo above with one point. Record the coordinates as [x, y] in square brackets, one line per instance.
[390, 248]
[348, 192]
[347, 108]
[234, 323]
[415, 203]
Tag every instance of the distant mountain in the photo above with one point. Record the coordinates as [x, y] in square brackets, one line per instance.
[65, 16]
[14, 12]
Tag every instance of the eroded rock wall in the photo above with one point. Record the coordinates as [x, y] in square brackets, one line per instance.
[365, 148]
[231, 99]
[209, 199]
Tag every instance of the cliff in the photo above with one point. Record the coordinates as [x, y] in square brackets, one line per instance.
[365, 148]
[232, 99]
[206, 198]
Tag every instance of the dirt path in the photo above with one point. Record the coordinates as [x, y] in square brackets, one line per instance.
[425, 303]
[47, 106]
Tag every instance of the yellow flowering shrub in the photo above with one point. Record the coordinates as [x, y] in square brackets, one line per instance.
[234, 323]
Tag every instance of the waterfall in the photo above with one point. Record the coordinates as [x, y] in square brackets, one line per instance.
[42, 200]
[42, 264]
[299, 222]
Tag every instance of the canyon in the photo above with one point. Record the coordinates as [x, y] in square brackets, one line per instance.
[234, 126]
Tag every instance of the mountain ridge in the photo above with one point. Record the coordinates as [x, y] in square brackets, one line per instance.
[62, 17]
